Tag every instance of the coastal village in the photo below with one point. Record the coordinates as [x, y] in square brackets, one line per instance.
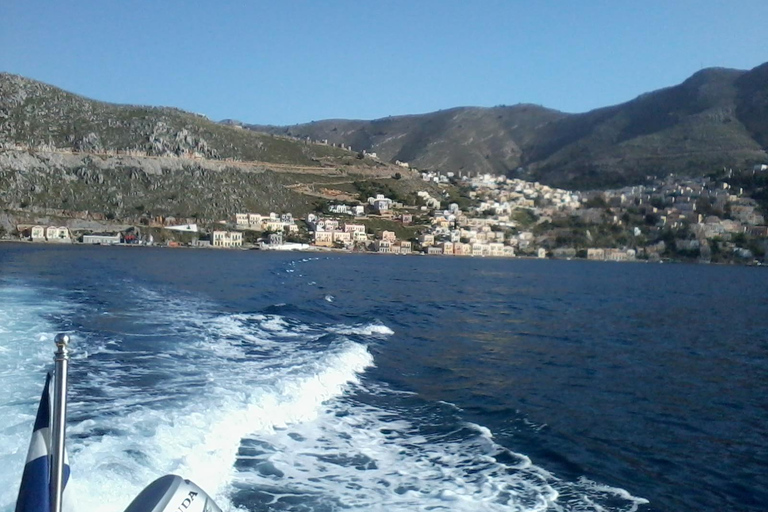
[704, 219]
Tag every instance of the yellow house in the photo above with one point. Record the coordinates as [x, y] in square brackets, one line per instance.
[241, 219]
[480, 250]
[274, 225]
[227, 239]
[596, 254]
[447, 247]
[402, 247]
[426, 240]
[496, 249]
[343, 237]
[324, 238]
[389, 236]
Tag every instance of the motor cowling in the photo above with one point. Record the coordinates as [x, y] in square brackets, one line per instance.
[172, 493]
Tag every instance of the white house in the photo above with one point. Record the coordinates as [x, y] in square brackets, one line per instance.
[101, 239]
[57, 234]
[37, 234]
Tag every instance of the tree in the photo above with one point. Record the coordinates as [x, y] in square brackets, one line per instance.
[251, 237]
[739, 239]
[652, 219]
[524, 217]
[596, 202]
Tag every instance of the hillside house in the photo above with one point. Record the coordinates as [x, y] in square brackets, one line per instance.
[241, 220]
[380, 203]
[340, 209]
[354, 228]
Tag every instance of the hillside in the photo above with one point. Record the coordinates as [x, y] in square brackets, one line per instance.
[717, 117]
[62, 154]
[485, 140]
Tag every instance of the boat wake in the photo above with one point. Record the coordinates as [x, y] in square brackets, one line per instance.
[260, 409]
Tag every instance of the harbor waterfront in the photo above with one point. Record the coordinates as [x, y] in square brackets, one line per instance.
[327, 381]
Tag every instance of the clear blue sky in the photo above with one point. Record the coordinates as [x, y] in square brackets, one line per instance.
[285, 62]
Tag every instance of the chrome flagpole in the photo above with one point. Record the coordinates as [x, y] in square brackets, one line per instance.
[59, 420]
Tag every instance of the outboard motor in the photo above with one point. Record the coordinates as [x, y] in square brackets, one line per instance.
[171, 493]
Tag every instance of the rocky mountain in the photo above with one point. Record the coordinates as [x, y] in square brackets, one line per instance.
[65, 155]
[34, 114]
[718, 117]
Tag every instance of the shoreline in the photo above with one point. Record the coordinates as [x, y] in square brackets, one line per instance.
[315, 249]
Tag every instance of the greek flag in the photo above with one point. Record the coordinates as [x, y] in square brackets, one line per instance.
[35, 489]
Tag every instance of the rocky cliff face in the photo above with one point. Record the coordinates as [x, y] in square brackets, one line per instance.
[128, 187]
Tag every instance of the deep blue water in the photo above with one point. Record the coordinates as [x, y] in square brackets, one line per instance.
[283, 381]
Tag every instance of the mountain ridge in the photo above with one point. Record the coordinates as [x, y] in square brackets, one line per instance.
[716, 117]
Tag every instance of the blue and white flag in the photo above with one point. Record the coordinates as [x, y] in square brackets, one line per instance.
[35, 489]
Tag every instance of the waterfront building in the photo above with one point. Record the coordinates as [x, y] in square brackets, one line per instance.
[426, 240]
[58, 234]
[37, 234]
[324, 238]
[101, 239]
[227, 239]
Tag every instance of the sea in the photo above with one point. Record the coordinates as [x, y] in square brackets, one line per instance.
[352, 382]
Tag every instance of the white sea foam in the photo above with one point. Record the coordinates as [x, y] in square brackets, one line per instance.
[26, 343]
[234, 376]
[370, 329]
[366, 458]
